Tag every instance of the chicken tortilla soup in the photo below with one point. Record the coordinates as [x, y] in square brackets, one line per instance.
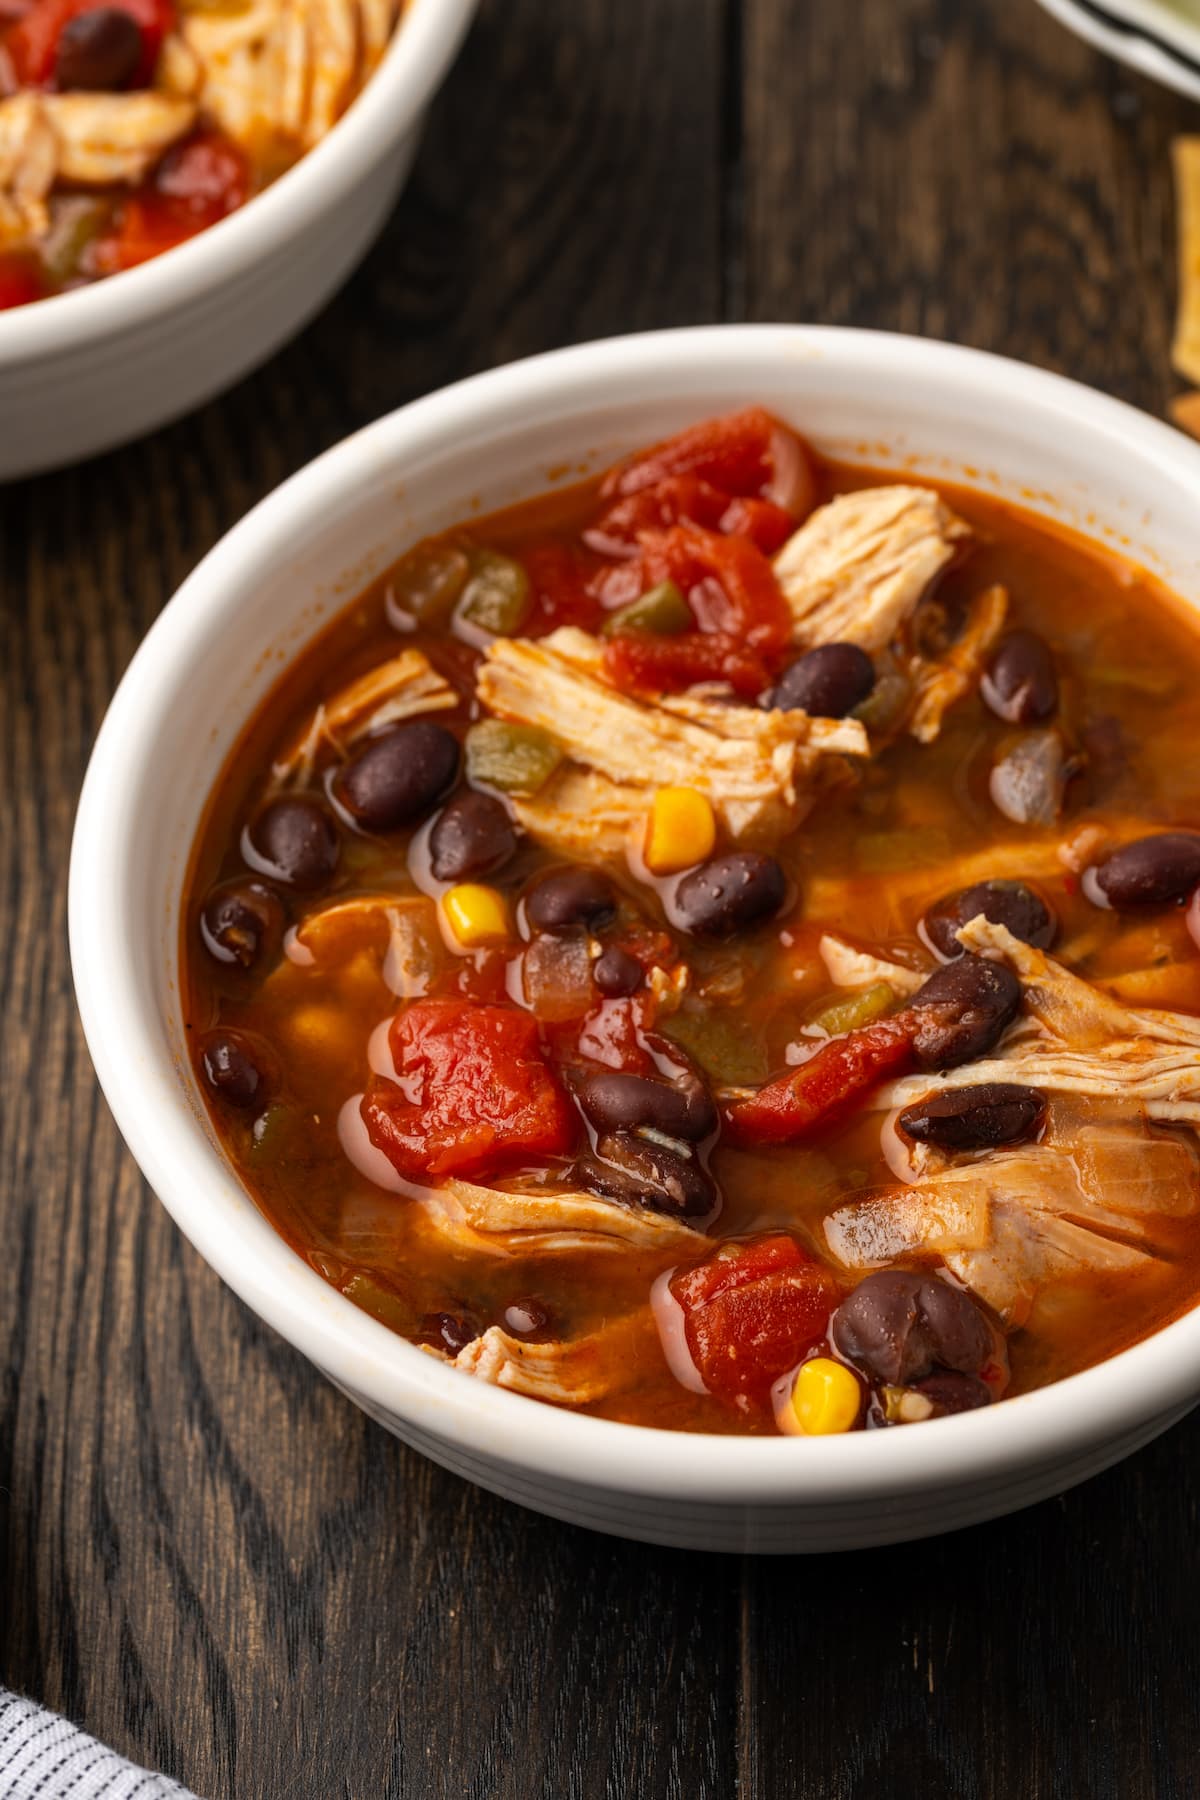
[128, 127]
[717, 946]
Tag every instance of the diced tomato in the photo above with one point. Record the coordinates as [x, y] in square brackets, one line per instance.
[560, 591]
[751, 1312]
[195, 184]
[21, 280]
[828, 1086]
[678, 498]
[667, 665]
[611, 1035]
[764, 523]
[474, 1093]
[32, 43]
[738, 454]
[728, 582]
[482, 976]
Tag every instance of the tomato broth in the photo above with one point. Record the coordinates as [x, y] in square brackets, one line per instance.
[721, 1216]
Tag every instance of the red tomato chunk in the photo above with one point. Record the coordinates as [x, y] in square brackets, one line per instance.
[745, 453]
[196, 184]
[474, 1094]
[828, 1086]
[32, 43]
[752, 1312]
[668, 665]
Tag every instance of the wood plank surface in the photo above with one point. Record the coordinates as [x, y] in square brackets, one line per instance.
[207, 1556]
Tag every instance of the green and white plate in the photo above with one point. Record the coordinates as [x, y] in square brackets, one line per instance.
[1159, 38]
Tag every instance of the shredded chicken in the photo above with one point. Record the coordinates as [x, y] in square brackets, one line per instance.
[400, 688]
[938, 683]
[574, 1372]
[89, 139]
[1013, 1221]
[758, 768]
[546, 1223]
[581, 814]
[284, 69]
[848, 967]
[857, 567]
[401, 929]
[1078, 1040]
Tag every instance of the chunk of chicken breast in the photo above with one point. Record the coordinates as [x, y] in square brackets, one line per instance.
[857, 567]
[759, 769]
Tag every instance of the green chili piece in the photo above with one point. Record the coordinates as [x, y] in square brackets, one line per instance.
[885, 705]
[382, 1302]
[855, 1010]
[496, 597]
[427, 583]
[661, 610]
[725, 1048]
[517, 759]
[77, 220]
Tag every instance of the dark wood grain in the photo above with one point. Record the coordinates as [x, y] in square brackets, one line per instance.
[206, 1554]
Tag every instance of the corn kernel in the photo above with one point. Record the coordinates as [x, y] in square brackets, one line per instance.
[680, 831]
[476, 915]
[826, 1397]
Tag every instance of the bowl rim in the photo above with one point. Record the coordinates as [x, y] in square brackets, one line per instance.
[390, 104]
[1150, 1380]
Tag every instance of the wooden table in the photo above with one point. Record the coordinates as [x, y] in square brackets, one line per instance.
[210, 1558]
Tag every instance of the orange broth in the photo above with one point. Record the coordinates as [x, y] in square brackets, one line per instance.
[867, 862]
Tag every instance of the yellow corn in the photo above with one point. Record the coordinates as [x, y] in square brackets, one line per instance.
[476, 915]
[826, 1397]
[680, 831]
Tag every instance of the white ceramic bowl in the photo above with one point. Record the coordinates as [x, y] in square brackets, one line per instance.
[1158, 38]
[83, 371]
[272, 584]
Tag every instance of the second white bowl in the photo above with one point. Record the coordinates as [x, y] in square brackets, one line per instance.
[100, 365]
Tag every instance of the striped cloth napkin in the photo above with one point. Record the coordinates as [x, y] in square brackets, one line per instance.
[45, 1757]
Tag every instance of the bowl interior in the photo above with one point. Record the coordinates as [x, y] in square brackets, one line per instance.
[909, 407]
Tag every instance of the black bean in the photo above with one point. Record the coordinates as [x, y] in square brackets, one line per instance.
[953, 1392]
[450, 1332]
[1007, 903]
[976, 1118]
[574, 896]
[98, 50]
[295, 840]
[962, 1010]
[898, 1326]
[827, 683]
[398, 775]
[1152, 871]
[615, 1101]
[638, 1173]
[242, 922]
[1019, 683]
[471, 836]
[731, 893]
[616, 973]
[231, 1070]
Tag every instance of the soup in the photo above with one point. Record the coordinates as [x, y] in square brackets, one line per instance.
[127, 128]
[715, 946]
